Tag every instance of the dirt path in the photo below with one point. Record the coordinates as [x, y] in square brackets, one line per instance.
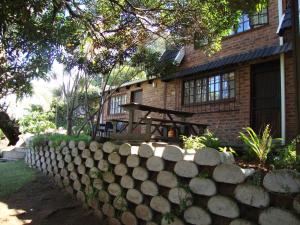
[41, 202]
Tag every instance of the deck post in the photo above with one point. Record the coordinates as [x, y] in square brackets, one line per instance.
[148, 127]
[114, 127]
[130, 120]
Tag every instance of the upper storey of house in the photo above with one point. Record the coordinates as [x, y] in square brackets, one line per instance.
[256, 31]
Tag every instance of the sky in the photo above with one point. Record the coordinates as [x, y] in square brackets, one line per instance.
[42, 94]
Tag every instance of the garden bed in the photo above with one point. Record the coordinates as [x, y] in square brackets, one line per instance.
[165, 184]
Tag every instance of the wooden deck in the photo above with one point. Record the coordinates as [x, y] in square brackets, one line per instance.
[148, 128]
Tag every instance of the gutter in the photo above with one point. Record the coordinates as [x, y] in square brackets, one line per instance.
[282, 80]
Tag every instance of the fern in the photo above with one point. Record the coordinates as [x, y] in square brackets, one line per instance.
[208, 139]
[259, 145]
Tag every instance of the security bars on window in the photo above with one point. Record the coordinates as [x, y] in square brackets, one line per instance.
[115, 102]
[209, 89]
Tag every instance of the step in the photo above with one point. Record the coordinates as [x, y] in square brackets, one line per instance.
[13, 154]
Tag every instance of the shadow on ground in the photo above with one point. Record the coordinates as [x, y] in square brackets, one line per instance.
[41, 202]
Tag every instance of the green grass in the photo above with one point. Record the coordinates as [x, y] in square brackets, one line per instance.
[56, 139]
[14, 175]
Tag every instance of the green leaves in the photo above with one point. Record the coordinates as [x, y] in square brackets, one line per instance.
[197, 142]
[34, 33]
[56, 139]
[125, 73]
[36, 121]
[286, 157]
[259, 145]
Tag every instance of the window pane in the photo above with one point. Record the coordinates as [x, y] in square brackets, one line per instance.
[212, 88]
[115, 104]
[231, 85]
[186, 84]
[217, 95]
[217, 87]
[228, 86]
[209, 89]
[186, 100]
[191, 99]
[186, 92]
[259, 18]
[211, 84]
[225, 94]
[191, 83]
[247, 22]
[204, 90]
[225, 85]
[225, 80]
[211, 96]
[232, 93]
[198, 93]
[244, 23]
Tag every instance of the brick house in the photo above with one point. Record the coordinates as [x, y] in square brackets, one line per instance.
[250, 82]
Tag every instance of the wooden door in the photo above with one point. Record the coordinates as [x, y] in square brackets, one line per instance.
[265, 96]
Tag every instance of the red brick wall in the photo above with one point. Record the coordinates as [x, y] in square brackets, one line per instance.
[291, 95]
[226, 124]
[153, 94]
[242, 42]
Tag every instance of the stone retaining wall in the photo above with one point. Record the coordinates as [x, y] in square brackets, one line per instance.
[154, 184]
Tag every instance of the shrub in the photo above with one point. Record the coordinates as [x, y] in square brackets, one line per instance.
[56, 139]
[210, 140]
[2, 136]
[86, 130]
[227, 150]
[260, 145]
[191, 142]
[287, 157]
[36, 121]
[197, 142]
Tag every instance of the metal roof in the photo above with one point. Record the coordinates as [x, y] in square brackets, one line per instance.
[230, 60]
[129, 83]
[169, 55]
[287, 20]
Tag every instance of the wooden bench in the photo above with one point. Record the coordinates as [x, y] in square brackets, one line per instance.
[122, 135]
[182, 127]
[153, 126]
[175, 121]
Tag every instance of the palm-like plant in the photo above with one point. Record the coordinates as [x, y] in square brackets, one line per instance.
[259, 145]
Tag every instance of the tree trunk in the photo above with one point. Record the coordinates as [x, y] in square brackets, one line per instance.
[69, 125]
[10, 128]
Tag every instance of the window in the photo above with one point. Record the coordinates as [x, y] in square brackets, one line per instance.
[115, 102]
[249, 21]
[209, 89]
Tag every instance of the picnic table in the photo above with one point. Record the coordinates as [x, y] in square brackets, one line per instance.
[155, 128]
